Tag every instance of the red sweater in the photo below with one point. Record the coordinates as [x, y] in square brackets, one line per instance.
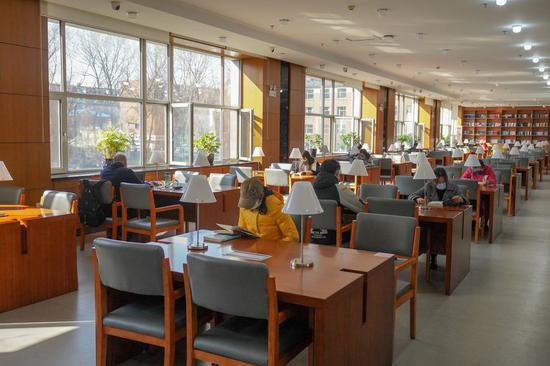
[478, 175]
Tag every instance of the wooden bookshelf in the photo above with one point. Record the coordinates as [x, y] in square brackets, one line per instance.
[505, 124]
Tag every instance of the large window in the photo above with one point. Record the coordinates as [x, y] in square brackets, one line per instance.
[406, 119]
[448, 123]
[100, 79]
[330, 113]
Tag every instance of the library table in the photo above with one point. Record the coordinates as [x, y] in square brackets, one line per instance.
[526, 176]
[493, 201]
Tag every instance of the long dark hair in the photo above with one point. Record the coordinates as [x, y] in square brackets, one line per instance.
[306, 155]
[440, 172]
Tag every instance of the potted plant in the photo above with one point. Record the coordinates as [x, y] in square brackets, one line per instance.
[111, 141]
[314, 141]
[405, 139]
[350, 139]
[208, 144]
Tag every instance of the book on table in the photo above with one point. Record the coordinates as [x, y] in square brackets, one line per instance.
[235, 230]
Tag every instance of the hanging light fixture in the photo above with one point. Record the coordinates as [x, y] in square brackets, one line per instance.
[501, 2]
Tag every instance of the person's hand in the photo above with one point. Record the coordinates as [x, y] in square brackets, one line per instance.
[420, 200]
[457, 199]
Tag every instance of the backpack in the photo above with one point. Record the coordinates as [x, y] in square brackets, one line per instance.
[90, 209]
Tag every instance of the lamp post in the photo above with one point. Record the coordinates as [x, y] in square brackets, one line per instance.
[302, 201]
[198, 192]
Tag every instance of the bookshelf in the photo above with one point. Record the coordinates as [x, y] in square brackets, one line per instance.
[506, 124]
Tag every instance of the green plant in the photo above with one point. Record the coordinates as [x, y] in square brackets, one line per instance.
[405, 139]
[111, 141]
[314, 140]
[349, 139]
[208, 143]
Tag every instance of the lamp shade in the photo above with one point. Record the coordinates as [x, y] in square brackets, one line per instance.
[495, 147]
[302, 200]
[198, 191]
[258, 152]
[480, 150]
[4, 172]
[457, 154]
[354, 150]
[366, 147]
[156, 157]
[466, 141]
[524, 143]
[517, 144]
[201, 160]
[506, 146]
[514, 151]
[531, 147]
[497, 155]
[295, 153]
[419, 146]
[472, 161]
[524, 149]
[424, 170]
[539, 144]
[324, 149]
[358, 168]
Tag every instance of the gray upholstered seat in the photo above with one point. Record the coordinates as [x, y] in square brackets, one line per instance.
[472, 187]
[145, 223]
[219, 179]
[391, 206]
[377, 190]
[10, 195]
[326, 220]
[135, 195]
[245, 339]
[105, 192]
[402, 287]
[407, 185]
[58, 201]
[241, 172]
[385, 165]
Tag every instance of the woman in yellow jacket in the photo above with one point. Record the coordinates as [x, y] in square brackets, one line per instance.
[261, 212]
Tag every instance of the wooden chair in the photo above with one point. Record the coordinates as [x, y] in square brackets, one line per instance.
[406, 185]
[276, 179]
[66, 202]
[156, 317]
[331, 219]
[378, 190]
[140, 197]
[222, 179]
[387, 173]
[391, 206]
[12, 195]
[398, 235]
[256, 331]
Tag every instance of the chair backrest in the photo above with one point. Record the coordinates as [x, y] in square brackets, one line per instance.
[276, 177]
[377, 190]
[135, 196]
[326, 220]
[391, 206]
[503, 175]
[407, 185]
[287, 167]
[523, 162]
[130, 267]
[385, 165]
[453, 171]
[227, 286]
[385, 233]
[220, 179]
[242, 172]
[182, 176]
[105, 192]
[59, 201]
[470, 184]
[10, 195]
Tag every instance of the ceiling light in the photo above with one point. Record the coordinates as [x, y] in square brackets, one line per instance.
[382, 11]
[286, 21]
[536, 60]
[541, 68]
[548, 83]
[516, 28]
[222, 39]
[501, 2]
[527, 46]
[545, 76]
[420, 35]
[132, 14]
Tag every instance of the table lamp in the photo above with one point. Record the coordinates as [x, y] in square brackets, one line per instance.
[472, 162]
[302, 201]
[514, 151]
[296, 155]
[531, 147]
[517, 144]
[539, 144]
[480, 151]
[354, 150]
[156, 159]
[366, 147]
[198, 191]
[419, 146]
[506, 146]
[4, 176]
[424, 172]
[258, 153]
[466, 141]
[201, 160]
[457, 154]
[357, 169]
[497, 155]
[524, 149]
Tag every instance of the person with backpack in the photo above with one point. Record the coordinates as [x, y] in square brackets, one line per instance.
[117, 172]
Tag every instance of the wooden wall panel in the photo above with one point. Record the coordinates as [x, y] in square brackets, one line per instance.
[380, 119]
[369, 110]
[435, 123]
[296, 122]
[20, 22]
[19, 115]
[21, 70]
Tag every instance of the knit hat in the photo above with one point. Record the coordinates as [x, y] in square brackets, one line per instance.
[252, 193]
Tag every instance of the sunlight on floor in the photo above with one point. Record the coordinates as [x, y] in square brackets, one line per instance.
[15, 339]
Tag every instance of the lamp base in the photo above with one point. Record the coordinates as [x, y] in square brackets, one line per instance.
[301, 263]
[197, 247]
[3, 214]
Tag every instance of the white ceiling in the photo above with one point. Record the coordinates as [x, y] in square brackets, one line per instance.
[482, 65]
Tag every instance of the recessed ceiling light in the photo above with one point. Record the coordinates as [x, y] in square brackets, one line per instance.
[536, 60]
[382, 11]
[527, 46]
[420, 35]
[222, 39]
[548, 83]
[501, 2]
[541, 68]
[545, 76]
[284, 21]
[132, 14]
[517, 28]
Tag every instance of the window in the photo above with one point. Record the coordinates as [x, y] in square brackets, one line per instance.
[54, 56]
[157, 71]
[448, 123]
[309, 93]
[232, 82]
[341, 111]
[406, 119]
[309, 110]
[313, 94]
[329, 93]
[197, 77]
[342, 126]
[55, 133]
[341, 93]
[155, 132]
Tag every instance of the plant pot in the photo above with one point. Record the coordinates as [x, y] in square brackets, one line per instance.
[210, 158]
[107, 162]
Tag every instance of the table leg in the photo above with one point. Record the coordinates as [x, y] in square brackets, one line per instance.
[491, 215]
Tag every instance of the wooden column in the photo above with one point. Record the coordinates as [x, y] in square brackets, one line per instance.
[435, 123]
[297, 114]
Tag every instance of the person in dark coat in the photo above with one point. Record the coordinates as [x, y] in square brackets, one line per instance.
[118, 173]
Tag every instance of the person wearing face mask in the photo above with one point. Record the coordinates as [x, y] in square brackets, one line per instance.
[260, 211]
[483, 173]
[440, 189]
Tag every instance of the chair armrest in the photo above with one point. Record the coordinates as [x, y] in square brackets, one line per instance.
[408, 263]
[179, 293]
[286, 313]
[169, 208]
[346, 227]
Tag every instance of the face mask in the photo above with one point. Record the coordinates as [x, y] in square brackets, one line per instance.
[441, 186]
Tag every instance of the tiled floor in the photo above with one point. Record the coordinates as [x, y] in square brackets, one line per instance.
[499, 315]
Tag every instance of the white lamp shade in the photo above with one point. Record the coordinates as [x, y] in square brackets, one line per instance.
[201, 160]
[354, 150]
[358, 168]
[517, 144]
[524, 143]
[472, 161]
[524, 149]
[302, 200]
[324, 149]
[198, 191]
[497, 155]
[531, 147]
[295, 153]
[419, 147]
[424, 170]
[4, 172]
[466, 141]
[366, 147]
[514, 151]
[539, 144]
[479, 150]
[457, 154]
[506, 146]
[258, 152]
[495, 147]
[156, 157]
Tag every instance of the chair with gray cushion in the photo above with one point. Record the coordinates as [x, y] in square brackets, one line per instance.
[391, 206]
[453, 171]
[140, 197]
[156, 315]
[474, 196]
[297, 219]
[241, 172]
[377, 190]
[406, 185]
[387, 173]
[330, 219]
[220, 179]
[255, 330]
[505, 177]
[64, 202]
[398, 235]
[12, 195]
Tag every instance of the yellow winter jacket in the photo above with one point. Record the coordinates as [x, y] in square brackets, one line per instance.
[274, 225]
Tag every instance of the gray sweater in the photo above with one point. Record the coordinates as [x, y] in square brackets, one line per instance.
[429, 192]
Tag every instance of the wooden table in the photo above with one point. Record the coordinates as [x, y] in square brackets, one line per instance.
[403, 168]
[535, 172]
[349, 294]
[493, 201]
[300, 178]
[224, 211]
[448, 231]
[37, 255]
[525, 177]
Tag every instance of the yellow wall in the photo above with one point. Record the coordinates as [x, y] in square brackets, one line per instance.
[424, 118]
[369, 110]
[252, 93]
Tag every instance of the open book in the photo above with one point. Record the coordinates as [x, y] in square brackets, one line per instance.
[234, 230]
